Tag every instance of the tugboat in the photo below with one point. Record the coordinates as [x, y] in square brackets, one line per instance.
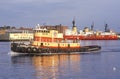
[48, 42]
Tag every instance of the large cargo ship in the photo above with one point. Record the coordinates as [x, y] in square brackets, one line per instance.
[90, 34]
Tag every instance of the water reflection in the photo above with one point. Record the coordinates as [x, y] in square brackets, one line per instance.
[51, 67]
[46, 66]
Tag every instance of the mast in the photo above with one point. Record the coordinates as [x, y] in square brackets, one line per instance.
[92, 26]
[106, 27]
[73, 22]
[74, 28]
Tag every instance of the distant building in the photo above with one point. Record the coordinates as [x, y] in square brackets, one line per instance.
[60, 28]
[21, 34]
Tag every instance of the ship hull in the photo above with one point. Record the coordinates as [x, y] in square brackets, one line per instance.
[33, 50]
[92, 37]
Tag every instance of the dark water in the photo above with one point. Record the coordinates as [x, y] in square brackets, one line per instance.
[102, 65]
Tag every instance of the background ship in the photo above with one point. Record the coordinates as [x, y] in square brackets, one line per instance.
[90, 34]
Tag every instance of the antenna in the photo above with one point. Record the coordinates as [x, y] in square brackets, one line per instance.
[73, 22]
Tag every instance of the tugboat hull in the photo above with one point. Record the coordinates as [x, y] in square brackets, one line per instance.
[28, 49]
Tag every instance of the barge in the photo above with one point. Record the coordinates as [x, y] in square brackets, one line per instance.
[47, 42]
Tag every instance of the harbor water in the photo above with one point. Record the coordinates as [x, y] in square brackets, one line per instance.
[104, 64]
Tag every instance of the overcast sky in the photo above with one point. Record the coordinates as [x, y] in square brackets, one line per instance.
[53, 12]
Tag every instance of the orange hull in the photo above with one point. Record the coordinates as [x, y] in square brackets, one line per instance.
[92, 37]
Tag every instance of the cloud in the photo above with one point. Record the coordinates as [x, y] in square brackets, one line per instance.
[32, 1]
[59, 11]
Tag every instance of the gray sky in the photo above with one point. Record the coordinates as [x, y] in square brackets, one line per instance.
[53, 12]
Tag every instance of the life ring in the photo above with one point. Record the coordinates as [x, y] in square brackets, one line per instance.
[44, 50]
[34, 50]
[39, 50]
[68, 50]
[18, 49]
[29, 50]
[12, 48]
[23, 49]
